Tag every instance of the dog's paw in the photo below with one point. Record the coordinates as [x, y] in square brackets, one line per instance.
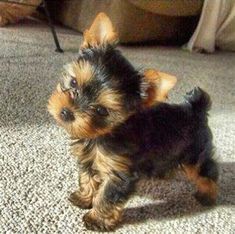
[204, 199]
[95, 223]
[76, 199]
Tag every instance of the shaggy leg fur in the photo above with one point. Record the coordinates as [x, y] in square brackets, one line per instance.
[205, 177]
[84, 196]
[108, 204]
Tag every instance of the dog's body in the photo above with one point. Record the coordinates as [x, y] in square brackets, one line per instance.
[163, 137]
[154, 142]
[122, 130]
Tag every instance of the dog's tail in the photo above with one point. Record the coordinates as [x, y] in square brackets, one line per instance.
[199, 100]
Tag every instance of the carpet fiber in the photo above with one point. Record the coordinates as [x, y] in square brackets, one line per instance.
[37, 172]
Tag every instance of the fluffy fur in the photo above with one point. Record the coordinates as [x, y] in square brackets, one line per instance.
[122, 130]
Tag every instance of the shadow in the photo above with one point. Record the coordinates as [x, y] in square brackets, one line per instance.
[176, 197]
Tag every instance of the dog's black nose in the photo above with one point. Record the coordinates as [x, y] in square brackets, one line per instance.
[66, 115]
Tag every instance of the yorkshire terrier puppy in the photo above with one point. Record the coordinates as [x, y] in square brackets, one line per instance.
[121, 129]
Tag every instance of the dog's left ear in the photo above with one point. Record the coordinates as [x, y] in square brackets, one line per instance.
[100, 33]
[156, 86]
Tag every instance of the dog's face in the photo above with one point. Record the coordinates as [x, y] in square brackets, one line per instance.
[102, 89]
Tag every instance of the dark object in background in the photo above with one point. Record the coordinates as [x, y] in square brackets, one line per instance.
[168, 22]
[13, 11]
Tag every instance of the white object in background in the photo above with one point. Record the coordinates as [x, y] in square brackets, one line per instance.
[216, 27]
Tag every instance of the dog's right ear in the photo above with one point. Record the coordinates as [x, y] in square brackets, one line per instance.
[100, 33]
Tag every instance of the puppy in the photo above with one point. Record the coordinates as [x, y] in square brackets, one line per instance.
[122, 130]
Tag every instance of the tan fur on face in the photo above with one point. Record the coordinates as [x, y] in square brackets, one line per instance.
[57, 101]
[82, 71]
[113, 102]
[110, 99]
[78, 128]
[81, 127]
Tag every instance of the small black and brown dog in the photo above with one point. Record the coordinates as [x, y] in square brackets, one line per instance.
[121, 129]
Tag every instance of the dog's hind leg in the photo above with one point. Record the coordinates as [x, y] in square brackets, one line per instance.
[205, 176]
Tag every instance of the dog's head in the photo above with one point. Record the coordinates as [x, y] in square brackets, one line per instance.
[101, 89]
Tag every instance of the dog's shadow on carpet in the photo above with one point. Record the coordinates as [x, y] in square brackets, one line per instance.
[174, 198]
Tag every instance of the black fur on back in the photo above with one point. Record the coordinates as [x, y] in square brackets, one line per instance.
[161, 138]
[199, 100]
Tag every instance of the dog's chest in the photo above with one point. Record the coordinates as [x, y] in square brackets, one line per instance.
[94, 157]
[101, 162]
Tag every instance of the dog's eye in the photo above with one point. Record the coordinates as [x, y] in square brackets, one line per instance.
[102, 110]
[73, 83]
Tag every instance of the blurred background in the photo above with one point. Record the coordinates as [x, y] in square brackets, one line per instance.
[203, 25]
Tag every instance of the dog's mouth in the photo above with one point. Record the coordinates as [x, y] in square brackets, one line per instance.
[72, 94]
[71, 91]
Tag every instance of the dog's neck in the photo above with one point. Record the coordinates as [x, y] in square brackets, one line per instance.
[100, 138]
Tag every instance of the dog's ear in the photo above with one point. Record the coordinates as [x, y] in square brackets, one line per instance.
[100, 33]
[156, 86]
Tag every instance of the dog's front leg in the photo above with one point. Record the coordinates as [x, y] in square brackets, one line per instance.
[109, 202]
[88, 185]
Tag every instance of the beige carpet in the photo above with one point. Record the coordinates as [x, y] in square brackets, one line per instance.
[37, 172]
